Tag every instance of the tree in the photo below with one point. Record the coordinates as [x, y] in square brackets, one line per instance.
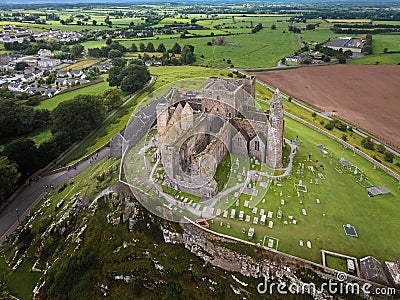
[114, 76]
[25, 154]
[118, 62]
[142, 47]
[74, 119]
[134, 77]
[367, 143]
[114, 54]
[273, 27]
[133, 48]
[150, 47]
[381, 148]
[9, 177]
[389, 156]
[20, 66]
[310, 26]
[161, 48]
[94, 52]
[327, 58]
[16, 118]
[176, 49]
[94, 22]
[108, 41]
[187, 57]
[367, 49]
[342, 59]
[51, 78]
[112, 98]
[76, 50]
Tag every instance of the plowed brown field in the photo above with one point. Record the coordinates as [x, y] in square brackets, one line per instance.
[367, 96]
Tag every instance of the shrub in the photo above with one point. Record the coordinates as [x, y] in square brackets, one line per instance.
[381, 149]
[339, 125]
[330, 126]
[389, 156]
[367, 143]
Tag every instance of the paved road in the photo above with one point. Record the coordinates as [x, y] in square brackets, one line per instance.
[31, 195]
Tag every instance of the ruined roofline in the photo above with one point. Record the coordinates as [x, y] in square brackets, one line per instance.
[196, 123]
[215, 139]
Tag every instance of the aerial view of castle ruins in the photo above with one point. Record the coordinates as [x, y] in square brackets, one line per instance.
[197, 130]
[199, 150]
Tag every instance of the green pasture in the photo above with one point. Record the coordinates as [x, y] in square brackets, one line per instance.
[94, 89]
[244, 50]
[382, 59]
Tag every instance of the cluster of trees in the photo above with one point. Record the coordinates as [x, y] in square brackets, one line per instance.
[187, 55]
[17, 118]
[32, 46]
[176, 48]
[367, 143]
[336, 124]
[294, 29]
[327, 52]
[70, 52]
[256, 29]
[115, 50]
[131, 77]
[365, 28]
[112, 49]
[71, 121]
[217, 41]
[367, 49]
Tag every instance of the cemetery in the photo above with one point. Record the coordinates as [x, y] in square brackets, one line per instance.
[303, 205]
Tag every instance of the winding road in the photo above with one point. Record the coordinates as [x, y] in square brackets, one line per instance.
[21, 206]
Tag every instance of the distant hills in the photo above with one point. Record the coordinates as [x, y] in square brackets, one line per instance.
[69, 2]
[180, 1]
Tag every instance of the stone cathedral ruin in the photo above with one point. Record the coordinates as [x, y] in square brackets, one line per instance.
[196, 130]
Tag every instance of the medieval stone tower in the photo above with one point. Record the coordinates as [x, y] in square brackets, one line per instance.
[275, 132]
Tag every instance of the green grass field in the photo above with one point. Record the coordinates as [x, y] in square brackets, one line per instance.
[94, 89]
[243, 49]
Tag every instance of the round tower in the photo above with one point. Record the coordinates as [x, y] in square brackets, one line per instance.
[275, 132]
